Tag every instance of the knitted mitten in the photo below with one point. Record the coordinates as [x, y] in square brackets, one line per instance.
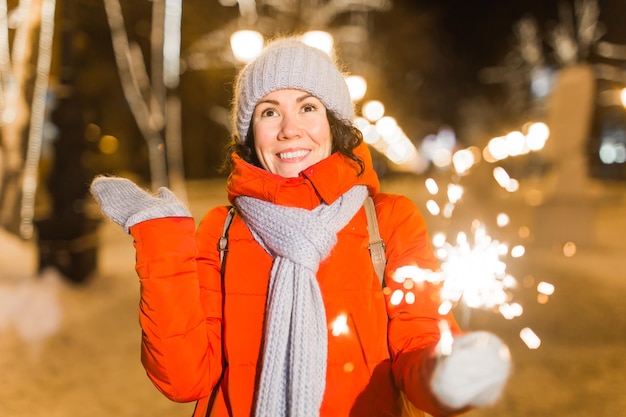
[474, 373]
[126, 204]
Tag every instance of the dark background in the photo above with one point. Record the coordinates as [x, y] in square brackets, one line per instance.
[427, 58]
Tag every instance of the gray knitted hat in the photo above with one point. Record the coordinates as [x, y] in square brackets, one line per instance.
[289, 63]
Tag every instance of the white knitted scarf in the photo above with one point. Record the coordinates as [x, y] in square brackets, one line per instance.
[293, 375]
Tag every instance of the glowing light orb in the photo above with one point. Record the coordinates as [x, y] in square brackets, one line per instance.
[373, 110]
[339, 326]
[431, 186]
[530, 338]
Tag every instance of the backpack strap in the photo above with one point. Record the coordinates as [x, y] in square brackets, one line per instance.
[376, 244]
[222, 244]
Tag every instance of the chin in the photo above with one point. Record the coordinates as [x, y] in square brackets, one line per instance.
[291, 173]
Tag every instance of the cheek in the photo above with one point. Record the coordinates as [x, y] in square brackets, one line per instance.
[261, 135]
[327, 141]
[321, 133]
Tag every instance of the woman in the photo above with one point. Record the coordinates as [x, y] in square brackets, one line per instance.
[297, 323]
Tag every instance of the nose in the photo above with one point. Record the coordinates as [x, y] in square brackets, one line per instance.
[289, 128]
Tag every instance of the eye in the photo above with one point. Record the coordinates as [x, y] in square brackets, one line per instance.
[270, 112]
[308, 107]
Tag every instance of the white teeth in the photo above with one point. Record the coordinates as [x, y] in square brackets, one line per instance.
[289, 155]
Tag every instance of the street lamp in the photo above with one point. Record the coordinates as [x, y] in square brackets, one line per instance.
[357, 87]
[246, 45]
[373, 110]
[319, 39]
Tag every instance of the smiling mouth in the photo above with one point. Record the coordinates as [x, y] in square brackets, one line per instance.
[293, 155]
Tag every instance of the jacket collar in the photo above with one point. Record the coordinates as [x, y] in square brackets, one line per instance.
[322, 182]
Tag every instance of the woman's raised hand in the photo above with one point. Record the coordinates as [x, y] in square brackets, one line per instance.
[122, 201]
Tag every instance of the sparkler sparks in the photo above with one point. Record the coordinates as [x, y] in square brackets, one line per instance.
[473, 270]
[340, 325]
[530, 338]
[444, 347]
[475, 274]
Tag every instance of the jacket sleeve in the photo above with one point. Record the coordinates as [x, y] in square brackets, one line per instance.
[413, 325]
[180, 310]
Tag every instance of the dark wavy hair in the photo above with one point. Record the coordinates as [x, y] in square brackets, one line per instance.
[346, 137]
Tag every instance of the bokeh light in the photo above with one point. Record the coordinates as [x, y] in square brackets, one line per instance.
[357, 87]
[373, 110]
[246, 45]
[319, 39]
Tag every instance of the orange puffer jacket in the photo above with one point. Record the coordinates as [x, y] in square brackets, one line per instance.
[196, 325]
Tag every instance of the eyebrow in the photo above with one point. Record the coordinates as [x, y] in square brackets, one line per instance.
[276, 103]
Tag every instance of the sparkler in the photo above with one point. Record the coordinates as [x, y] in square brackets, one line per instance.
[473, 271]
[475, 274]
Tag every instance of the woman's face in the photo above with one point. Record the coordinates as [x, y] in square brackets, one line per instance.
[291, 132]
